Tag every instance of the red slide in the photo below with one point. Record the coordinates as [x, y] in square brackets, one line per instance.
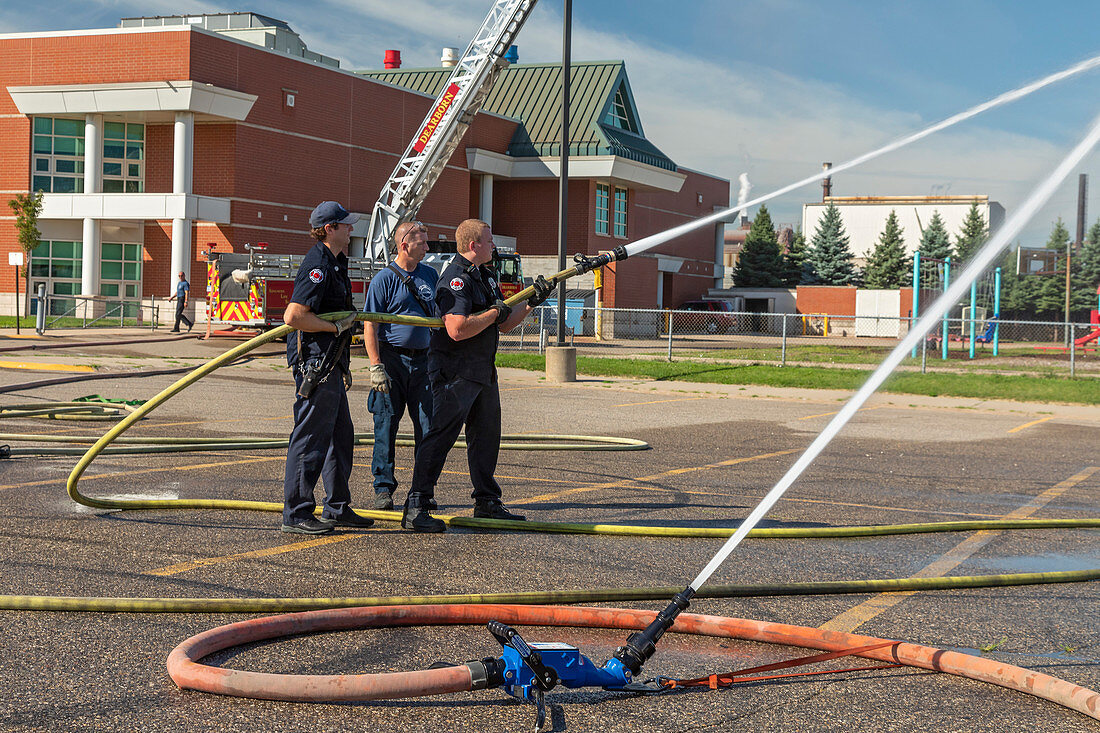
[1090, 336]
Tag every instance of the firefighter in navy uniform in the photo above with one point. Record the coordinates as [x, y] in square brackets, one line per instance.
[317, 352]
[464, 378]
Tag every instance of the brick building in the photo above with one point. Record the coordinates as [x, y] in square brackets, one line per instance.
[154, 144]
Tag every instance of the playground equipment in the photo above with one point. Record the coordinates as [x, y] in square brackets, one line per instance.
[933, 276]
[1094, 319]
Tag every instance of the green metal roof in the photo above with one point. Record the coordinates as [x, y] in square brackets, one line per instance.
[531, 94]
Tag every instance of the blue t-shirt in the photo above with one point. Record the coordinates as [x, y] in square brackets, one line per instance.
[388, 294]
[182, 288]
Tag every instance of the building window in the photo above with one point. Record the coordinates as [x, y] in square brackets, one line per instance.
[58, 156]
[620, 212]
[59, 265]
[619, 114]
[603, 193]
[123, 157]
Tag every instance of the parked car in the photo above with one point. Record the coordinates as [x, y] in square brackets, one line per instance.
[704, 316]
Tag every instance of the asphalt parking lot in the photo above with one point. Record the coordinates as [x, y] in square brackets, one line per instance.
[715, 451]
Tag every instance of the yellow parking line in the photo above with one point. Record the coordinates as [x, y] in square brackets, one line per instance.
[632, 483]
[211, 422]
[140, 471]
[657, 402]
[858, 615]
[1027, 425]
[827, 414]
[45, 367]
[203, 562]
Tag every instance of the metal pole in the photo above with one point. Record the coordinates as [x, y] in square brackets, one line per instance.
[783, 357]
[1072, 352]
[973, 306]
[40, 322]
[916, 293]
[923, 354]
[668, 314]
[1069, 258]
[563, 184]
[946, 284]
[17, 299]
[997, 310]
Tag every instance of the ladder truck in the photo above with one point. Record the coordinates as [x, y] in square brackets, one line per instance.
[253, 290]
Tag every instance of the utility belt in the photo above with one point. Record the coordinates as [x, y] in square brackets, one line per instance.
[316, 369]
[403, 350]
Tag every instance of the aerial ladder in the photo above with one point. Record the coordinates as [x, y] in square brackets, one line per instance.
[445, 124]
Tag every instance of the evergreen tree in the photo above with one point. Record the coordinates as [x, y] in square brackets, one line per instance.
[934, 241]
[972, 236]
[1050, 293]
[796, 268]
[761, 262]
[1089, 259]
[889, 266]
[829, 256]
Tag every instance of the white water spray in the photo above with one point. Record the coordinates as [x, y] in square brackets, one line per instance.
[655, 239]
[982, 260]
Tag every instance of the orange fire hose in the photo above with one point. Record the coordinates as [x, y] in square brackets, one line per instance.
[188, 673]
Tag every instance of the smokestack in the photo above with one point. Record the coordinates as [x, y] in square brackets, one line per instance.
[1082, 198]
[512, 56]
[392, 59]
[826, 183]
[449, 59]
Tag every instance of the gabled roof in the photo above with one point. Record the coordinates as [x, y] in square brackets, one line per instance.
[603, 119]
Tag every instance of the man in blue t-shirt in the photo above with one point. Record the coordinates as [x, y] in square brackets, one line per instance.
[183, 292]
[399, 352]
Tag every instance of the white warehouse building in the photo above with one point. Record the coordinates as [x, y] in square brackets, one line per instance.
[864, 217]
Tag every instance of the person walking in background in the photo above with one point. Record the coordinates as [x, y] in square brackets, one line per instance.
[183, 294]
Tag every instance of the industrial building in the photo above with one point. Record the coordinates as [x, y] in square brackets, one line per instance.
[864, 217]
[167, 138]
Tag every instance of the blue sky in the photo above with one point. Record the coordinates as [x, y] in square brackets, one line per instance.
[770, 88]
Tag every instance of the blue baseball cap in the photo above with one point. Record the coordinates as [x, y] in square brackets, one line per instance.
[330, 212]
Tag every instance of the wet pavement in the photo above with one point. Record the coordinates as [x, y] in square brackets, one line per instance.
[715, 451]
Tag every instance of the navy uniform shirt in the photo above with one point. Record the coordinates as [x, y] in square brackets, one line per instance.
[388, 294]
[323, 286]
[464, 290]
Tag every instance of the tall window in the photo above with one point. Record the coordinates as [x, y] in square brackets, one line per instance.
[58, 264]
[603, 194]
[58, 153]
[620, 212]
[123, 157]
[58, 156]
[619, 113]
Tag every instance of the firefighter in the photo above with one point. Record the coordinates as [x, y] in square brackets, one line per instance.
[317, 352]
[464, 378]
[399, 353]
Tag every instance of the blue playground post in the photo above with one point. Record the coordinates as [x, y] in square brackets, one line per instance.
[946, 284]
[973, 307]
[916, 294]
[996, 309]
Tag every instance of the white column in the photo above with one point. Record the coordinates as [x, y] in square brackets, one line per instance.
[485, 203]
[182, 161]
[93, 183]
[719, 254]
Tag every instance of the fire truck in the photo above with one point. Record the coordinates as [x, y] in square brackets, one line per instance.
[506, 262]
[253, 288]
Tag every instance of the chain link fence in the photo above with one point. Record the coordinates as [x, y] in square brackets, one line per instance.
[977, 344]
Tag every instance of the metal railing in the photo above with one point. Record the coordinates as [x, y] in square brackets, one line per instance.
[977, 343]
[113, 309]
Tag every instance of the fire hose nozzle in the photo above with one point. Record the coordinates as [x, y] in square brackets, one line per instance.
[583, 263]
[640, 646]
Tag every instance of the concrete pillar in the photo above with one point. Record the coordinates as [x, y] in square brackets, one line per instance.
[93, 183]
[719, 254]
[561, 363]
[182, 163]
[485, 206]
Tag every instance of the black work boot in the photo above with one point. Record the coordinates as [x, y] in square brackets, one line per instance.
[383, 500]
[415, 516]
[495, 510]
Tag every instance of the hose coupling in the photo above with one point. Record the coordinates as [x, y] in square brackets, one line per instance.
[640, 646]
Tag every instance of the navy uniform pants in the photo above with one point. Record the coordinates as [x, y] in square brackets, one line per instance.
[320, 446]
[411, 387]
[458, 401]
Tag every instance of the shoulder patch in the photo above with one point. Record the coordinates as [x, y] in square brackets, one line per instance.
[316, 275]
[457, 283]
